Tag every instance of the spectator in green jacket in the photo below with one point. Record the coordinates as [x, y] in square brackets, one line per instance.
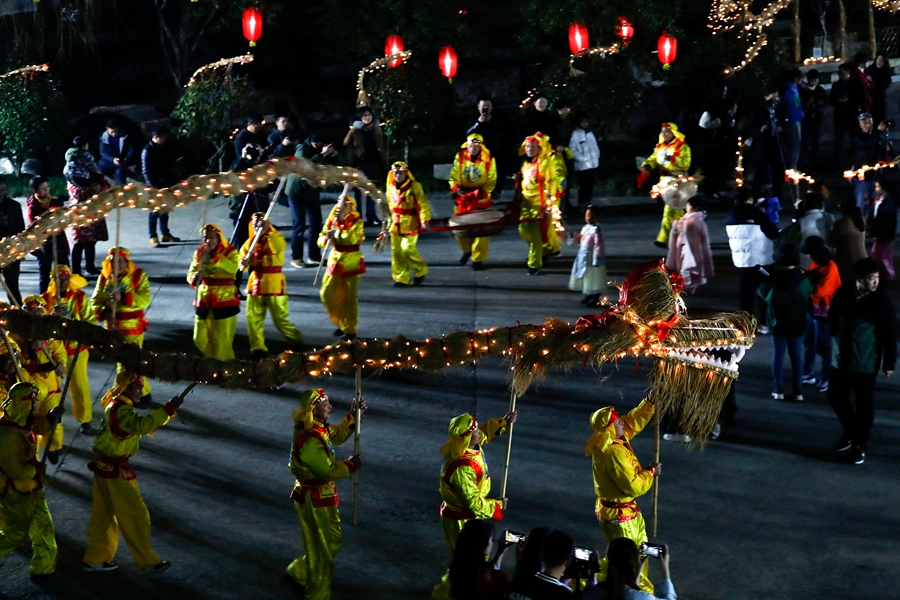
[303, 200]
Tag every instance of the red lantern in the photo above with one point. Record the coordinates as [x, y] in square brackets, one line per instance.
[252, 24]
[578, 38]
[447, 62]
[667, 48]
[394, 45]
[625, 30]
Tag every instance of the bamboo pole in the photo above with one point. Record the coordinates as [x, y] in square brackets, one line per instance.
[62, 402]
[512, 408]
[656, 479]
[115, 270]
[56, 266]
[322, 260]
[12, 355]
[268, 213]
[357, 418]
[9, 293]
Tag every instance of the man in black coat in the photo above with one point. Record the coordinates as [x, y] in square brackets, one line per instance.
[11, 223]
[157, 164]
[491, 128]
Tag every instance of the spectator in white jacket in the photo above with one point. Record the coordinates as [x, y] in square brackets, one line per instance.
[583, 145]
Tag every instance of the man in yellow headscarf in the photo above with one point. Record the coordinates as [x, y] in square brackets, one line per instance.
[315, 496]
[44, 364]
[410, 213]
[129, 292]
[466, 481]
[74, 304]
[117, 502]
[538, 183]
[472, 179]
[265, 286]
[216, 302]
[343, 231]
[618, 475]
[672, 157]
[23, 508]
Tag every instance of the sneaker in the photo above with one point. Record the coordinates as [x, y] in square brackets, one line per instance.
[822, 386]
[796, 397]
[763, 330]
[677, 437]
[107, 566]
[54, 457]
[159, 567]
[843, 444]
[859, 455]
[478, 266]
[532, 271]
[778, 395]
[716, 432]
[464, 258]
[808, 380]
[92, 270]
[312, 263]
[295, 588]
[418, 280]
[298, 264]
[168, 237]
[154, 241]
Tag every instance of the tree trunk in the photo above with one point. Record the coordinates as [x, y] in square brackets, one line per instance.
[796, 30]
[406, 151]
[873, 42]
[842, 30]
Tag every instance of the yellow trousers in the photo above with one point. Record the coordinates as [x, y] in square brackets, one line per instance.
[531, 233]
[338, 294]
[670, 215]
[27, 516]
[477, 247]
[322, 538]
[215, 337]
[256, 320]
[636, 531]
[451, 528]
[405, 257]
[117, 504]
[80, 389]
[45, 405]
[139, 340]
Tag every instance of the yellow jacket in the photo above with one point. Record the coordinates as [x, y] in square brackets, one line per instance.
[216, 273]
[18, 449]
[313, 462]
[539, 181]
[618, 475]
[466, 481]
[469, 175]
[135, 289]
[266, 278]
[409, 206]
[36, 366]
[346, 259]
[120, 435]
[78, 308]
[674, 157]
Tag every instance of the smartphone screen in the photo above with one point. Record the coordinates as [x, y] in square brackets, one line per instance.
[650, 549]
[582, 553]
[513, 537]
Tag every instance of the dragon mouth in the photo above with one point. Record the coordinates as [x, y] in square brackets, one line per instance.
[714, 357]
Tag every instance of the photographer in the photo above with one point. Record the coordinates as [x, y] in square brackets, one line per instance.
[766, 144]
[870, 147]
[557, 549]
[472, 576]
[625, 563]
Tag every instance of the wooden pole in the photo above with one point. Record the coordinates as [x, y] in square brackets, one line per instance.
[512, 408]
[62, 402]
[656, 479]
[56, 267]
[268, 212]
[340, 203]
[115, 270]
[12, 354]
[357, 418]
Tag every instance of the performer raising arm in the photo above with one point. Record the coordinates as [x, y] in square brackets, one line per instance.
[216, 303]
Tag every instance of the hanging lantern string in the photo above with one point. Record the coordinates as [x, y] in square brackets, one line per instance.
[29, 70]
[599, 52]
[207, 70]
[731, 14]
[379, 63]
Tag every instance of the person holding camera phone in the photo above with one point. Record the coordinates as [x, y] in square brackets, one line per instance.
[556, 555]
[472, 575]
[627, 563]
[618, 475]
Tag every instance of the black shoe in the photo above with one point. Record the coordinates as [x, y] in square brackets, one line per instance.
[349, 337]
[259, 355]
[464, 258]
[107, 566]
[144, 402]
[843, 444]
[295, 588]
[859, 455]
[478, 266]
[400, 284]
[92, 270]
[533, 271]
[585, 301]
[418, 280]
[159, 567]
[54, 457]
[552, 254]
[86, 429]
[659, 244]
[338, 332]
[241, 295]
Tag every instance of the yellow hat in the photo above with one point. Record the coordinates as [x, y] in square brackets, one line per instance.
[34, 299]
[123, 380]
[12, 344]
[124, 255]
[211, 226]
[542, 140]
[459, 433]
[400, 166]
[76, 282]
[308, 401]
[604, 431]
[674, 129]
[473, 136]
[13, 409]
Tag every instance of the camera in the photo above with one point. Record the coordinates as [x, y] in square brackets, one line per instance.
[513, 537]
[585, 563]
[651, 550]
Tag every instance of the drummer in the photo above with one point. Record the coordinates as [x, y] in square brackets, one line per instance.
[472, 180]
[672, 157]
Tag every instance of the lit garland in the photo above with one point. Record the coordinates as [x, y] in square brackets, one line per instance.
[362, 97]
[206, 70]
[739, 170]
[795, 177]
[194, 188]
[888, 5]
[599, 52]
[29, 70]
[860, 173]
[726, 15]
[821, 60]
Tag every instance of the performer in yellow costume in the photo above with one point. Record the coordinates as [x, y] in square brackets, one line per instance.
[551, 228]
[131, 297]
[265, 286]
[44, 365]
[315, 496]
[472, 179]
[117, 502]
[23, 508]
[672, 156]
[466, 481]
[618, 476]
[74, 304]
[537, 182]
[410, 213]
[343, 230]
[216, 302]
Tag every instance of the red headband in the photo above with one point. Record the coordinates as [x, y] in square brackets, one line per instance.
[321, 396]
[613, 417]
[471, 428]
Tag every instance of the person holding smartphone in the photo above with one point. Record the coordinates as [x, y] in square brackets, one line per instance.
[626, 567]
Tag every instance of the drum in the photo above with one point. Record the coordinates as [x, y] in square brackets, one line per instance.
[676, 191]
[478, 223]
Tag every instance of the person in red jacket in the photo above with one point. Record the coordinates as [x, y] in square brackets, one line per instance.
[38, 203]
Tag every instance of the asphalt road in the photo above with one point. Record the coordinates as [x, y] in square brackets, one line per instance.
[767, 511]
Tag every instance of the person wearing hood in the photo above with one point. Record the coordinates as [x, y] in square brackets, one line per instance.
[472, 181]
[74, 304]
[410, 214]
[265, 286]
[22, 502]
[129, 292]
[671, 157]
[689, 250]
[537, 183]
[315, 495]
[343, 231]
[216, 303]
[117, 503]
[83, 181]
[466, 481]
[787, 292]
[814, 221]
[619, 477]
[303, 200]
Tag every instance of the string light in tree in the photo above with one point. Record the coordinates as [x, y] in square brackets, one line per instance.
[739, 170]
[821, 60]
[362, 97]
[726, 15]
[30, 70]
[206, 70]
[599, 52]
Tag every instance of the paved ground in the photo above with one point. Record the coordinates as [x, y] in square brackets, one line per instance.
[768, 511]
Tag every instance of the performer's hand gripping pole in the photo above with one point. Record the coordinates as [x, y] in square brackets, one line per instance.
[62, 402]
[357, 418]
[341, 199]
[12, 354]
